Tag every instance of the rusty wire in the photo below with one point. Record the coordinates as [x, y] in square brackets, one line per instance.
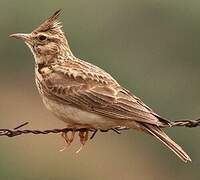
[17, 131]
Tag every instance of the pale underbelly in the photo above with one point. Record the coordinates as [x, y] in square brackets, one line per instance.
[77, 118]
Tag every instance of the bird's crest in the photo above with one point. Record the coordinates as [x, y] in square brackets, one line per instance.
[51, 24]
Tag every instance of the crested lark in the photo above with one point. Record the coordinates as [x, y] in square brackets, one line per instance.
[82, 94]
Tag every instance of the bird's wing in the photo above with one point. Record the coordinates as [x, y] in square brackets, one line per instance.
[96, 93]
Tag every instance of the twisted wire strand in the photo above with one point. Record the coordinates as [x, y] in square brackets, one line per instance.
[16, 131]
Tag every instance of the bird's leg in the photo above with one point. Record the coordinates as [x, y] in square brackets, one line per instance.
[83, 139]
[68, 138]
[83, 136]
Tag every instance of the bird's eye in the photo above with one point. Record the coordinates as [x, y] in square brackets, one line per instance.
[42, 37]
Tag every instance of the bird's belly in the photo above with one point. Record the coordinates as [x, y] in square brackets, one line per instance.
[77, 118]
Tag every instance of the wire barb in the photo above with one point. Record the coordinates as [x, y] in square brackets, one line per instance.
[20, 126]
[16, 131]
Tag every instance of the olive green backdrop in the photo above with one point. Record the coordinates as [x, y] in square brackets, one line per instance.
[151, 47]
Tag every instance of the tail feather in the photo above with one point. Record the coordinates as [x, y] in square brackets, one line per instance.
[160, 134]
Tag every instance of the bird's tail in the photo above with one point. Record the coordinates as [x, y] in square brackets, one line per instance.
[160, 134]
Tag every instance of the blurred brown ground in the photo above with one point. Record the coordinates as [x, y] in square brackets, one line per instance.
[150, 47]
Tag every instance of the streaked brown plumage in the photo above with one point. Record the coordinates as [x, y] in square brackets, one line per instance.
[83, 95]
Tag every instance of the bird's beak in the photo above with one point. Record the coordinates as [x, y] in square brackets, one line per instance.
[22, 36]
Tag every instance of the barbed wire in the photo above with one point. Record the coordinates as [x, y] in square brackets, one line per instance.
[16, 131]
[186, 123]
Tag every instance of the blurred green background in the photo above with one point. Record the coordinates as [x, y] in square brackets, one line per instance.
[151, 47]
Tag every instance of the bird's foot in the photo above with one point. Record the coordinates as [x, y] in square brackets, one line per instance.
[68, 137]
[83, 139]
[83, 136]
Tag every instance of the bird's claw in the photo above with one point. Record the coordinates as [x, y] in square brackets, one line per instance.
[68, 136]
[83, 139]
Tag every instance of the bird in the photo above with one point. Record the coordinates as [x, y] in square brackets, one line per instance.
[83, 95]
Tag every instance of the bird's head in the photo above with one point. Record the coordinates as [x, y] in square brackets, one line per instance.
[46, 42]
